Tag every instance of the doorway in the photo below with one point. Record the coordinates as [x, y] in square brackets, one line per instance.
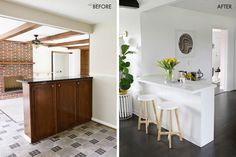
[219, 59]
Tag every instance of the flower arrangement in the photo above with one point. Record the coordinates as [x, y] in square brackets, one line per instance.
[168, 65]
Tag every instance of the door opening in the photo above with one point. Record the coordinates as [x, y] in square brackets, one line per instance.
[219, 59]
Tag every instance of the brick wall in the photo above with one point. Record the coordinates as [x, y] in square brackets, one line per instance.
[16, 52]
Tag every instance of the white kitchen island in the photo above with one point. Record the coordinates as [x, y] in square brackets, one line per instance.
[196, 100]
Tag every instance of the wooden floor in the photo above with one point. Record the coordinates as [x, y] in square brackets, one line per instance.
[137, 143]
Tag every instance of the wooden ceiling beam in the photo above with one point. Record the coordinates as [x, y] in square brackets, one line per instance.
[85, 41]
[60, 36]
[19, 30]
[78, 47]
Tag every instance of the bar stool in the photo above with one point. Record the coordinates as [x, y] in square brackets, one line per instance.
[169, 106]
[145, 100]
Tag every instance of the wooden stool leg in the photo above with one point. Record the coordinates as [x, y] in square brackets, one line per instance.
[159, 127]
[177, 120]
[140, 115]
[155, 113]
[146, 116]
[170, 130]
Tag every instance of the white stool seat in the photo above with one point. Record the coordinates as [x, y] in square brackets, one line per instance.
[168, 105]
[147, 97]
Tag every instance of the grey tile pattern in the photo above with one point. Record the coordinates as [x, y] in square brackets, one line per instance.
[110, 138]
[80, 155]
[72, 136]
[87, 140]
[103, 130]
[88, 133]
[57, 148]
[7, 125]
[3, 132]
[34, 152]
[15, 145]
[94, 141]
[75, 145]
[16, 137]
[54, 139]
[100, 151]
[12, 155]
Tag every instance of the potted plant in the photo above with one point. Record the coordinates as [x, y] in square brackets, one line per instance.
[168, 65]
[126, 79]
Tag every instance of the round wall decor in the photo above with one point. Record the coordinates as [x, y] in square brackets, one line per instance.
[185, 43]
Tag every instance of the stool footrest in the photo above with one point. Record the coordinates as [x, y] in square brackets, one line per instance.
[171, 133]
[144, 121]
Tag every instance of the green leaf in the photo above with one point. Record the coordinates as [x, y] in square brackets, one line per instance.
[123, 57]
[126, 70]
[124, 49]
[129, 52]
[127, 64]
[124, 84]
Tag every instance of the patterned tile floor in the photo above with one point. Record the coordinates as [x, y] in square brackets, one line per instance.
[87, 140]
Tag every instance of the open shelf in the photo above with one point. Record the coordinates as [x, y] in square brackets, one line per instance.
[15, 63]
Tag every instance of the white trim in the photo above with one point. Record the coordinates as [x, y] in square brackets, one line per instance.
[104, 123]
[27, 138]
[102, 75]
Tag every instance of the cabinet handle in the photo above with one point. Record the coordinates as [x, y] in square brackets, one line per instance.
[59, 85]
[52, 86]
[77, 83]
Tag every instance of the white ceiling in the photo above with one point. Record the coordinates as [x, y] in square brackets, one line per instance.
[80, 37]
[146, 5]
[208, 6]
[43, 31]
[75, 9]
[8, 24]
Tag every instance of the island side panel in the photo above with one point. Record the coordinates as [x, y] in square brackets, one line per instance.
[27, 110]
[207, 121]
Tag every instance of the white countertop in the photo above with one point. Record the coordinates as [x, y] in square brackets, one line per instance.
[188, 86]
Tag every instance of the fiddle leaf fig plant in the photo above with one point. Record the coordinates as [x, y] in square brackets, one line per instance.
[126, 79]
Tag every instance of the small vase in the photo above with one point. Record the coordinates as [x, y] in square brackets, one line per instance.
[169, 75]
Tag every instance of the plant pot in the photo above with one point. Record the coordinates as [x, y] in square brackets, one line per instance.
[123, 92]
[126, 108]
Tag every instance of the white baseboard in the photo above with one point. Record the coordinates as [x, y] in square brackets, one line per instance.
[27, 138]
[104, 123]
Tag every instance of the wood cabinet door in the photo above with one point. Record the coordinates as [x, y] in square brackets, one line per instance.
[84, 101]
[66, 102]
[43, 110]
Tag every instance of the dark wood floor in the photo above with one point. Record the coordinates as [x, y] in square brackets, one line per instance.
[134, 143]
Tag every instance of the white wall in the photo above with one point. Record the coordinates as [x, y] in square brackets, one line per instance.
[103, 69]
[42, 59]
[130, 21]
[216, 40]
[158, 28]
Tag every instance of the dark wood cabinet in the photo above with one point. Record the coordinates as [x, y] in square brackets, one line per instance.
[84, 101]
[43, 107]
[53, 106]
[66, 102]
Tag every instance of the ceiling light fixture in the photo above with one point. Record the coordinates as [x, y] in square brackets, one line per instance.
[36, 42]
